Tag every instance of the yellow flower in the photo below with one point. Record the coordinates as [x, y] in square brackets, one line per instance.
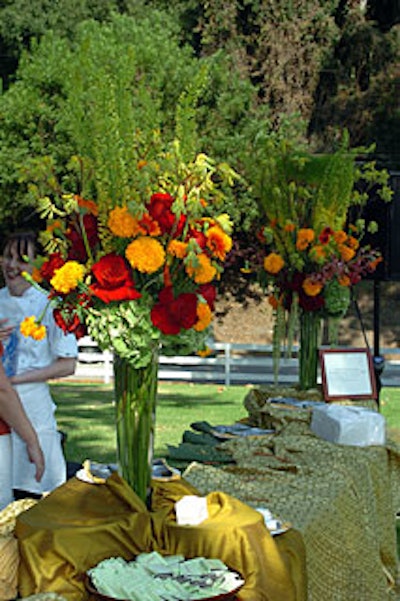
[218, 242]
[305, 236]
[311, 288]
[145, 254]
[29, 327]
[122, 223]
[273, 263]
[67, 277]
[177, 249]
[202, 273]
[204, 317]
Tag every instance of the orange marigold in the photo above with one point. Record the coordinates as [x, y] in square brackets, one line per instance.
[122, 223]
[311, 288]
[344, 280]
[340, 237]
[204, 317]
[353, 242]
[29, 327]
[346, 252]
[202, 273]
[218, 242]
[273, 263]
[305, 236]
[318, 252]
[145, 254]
[67, 277]
[177, 249]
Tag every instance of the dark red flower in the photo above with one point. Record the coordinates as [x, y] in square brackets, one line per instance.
[113, 280]
[77, 251]
[70, 323]
[171, 314]
[199, 236]
[55, 261]
[159, 208]
[325, 235]
[209, 293]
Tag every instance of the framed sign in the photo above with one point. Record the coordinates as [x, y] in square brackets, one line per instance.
[347, 373]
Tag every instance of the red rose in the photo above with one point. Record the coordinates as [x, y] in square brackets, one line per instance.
[69, 323]
[55, 261]
[113, 280]
[159, 208]
[171, 314]
[199, 236]
[209, 293]
[78, 251]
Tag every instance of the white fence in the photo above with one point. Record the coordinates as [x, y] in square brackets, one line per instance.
[229, 364]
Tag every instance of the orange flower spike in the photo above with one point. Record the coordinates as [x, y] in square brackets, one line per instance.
[147, 225]
[374, 264]
[311, 288]
[142, 163]
[54, 225]
[273, 263]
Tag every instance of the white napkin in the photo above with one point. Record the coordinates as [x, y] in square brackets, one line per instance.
[191, 510]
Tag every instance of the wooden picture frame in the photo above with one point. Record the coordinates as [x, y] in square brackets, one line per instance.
[347, 373]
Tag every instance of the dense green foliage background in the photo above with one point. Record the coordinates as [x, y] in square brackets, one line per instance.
[241, 70]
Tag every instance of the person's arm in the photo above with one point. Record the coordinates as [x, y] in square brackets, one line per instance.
[12, 411]
[60, 368]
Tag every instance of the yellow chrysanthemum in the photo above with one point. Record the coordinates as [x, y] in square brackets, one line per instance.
[202, 273]
[145, 254]
[273, 263]
[122, 223]
[204, 317]
[30, 328]
[311, 288]
[177, 249]
[218, 242]
[67, 277]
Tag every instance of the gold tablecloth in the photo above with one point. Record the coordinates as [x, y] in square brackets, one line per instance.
[342, 499]
[79, 524]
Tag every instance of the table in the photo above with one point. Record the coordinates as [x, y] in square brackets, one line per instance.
[342, 499]
[79, 524]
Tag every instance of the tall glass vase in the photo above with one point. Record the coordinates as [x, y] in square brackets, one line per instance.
[135, 399]
[310, 339]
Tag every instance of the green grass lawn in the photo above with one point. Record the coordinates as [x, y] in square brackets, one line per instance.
[86, 414]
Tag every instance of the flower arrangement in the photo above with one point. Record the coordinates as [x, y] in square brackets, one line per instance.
[140, 272]
[313, 271]
[312, 241]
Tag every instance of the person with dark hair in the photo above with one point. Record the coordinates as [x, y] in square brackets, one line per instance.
[12, 415]
[37, 362]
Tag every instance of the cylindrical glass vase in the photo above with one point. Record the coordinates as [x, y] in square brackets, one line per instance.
[135, 401]
[310, 338]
